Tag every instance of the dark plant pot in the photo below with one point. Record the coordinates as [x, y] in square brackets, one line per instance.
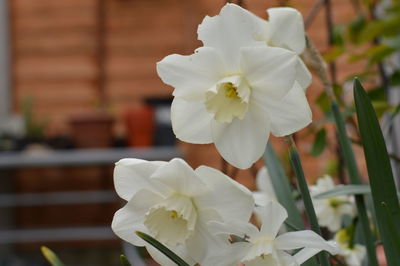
[92, 130]
[163, 136]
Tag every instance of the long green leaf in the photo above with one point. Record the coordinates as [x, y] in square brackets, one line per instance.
[51, 257]
[350, 161]
[282, 189]
[305, 194]
[383, 189]
[163, 249]
[344, 190]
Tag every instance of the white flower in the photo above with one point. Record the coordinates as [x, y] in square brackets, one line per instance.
[265, 191]
[246, 29]
[353, 255]
[265, 246]
[235, 91]
[331, 210]
[172, 202]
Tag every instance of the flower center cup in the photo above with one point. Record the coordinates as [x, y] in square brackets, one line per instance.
[261, 252]
[336, 203]
[172, 221]
[228, 99]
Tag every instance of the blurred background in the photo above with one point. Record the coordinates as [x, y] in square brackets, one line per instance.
[79, 91]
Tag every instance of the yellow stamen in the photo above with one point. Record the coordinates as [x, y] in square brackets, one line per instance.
[230, 90]
[335, 203]
[174, 215]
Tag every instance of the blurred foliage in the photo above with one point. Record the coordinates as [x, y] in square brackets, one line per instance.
[371, 39]
[34, 128]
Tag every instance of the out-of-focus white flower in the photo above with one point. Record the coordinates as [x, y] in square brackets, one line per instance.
[235, 91]
[331, 210]
[265, 191]
[252, 30]
[265, 246]
[353, 255]
[173, 203]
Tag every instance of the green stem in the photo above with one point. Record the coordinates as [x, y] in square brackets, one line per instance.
[348, 153]
[305, 193]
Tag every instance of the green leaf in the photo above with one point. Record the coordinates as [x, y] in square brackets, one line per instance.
[383, 189]
[50, 256]
[350, 161]
[319, 142]
[163, 249]
[124, 260]
[305, 194]
[282, 189]
[344, 190]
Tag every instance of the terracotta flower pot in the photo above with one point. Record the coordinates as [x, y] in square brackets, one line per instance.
[139, 122]
[92, 130]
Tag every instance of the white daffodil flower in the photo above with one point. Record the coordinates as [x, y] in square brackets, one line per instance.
[353, 255]
[265, 246]
[235, 96]
[331, 210]
[265, 191]
[173, 203]
[284, 29]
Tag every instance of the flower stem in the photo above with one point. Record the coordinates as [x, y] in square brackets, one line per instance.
[348, 153]
[305, 193]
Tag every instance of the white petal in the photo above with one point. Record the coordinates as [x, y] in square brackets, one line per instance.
[202, 242]
[272, 215]
[237, 228]
[291, 20]
[305, 238]
[290, 114]
[190, 121]
[242, 142]
[303, 75]
[180, 178]
[192, 75]
[132, 175]
[261, 198]
[130, 218]
[227, 254]
[163, 260]
[233, 28]
[304, 254]
[263, 182]
[224, 191]
[270, 70]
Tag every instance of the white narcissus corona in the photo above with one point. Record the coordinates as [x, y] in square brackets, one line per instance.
[235, 91]
[265, 246]
[330, 211]
[173, 203]
[353, 255]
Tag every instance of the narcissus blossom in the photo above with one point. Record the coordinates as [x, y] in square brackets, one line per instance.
[236, 90]
[352, 254]
[173, 203]
[265, 246]
[330, 211]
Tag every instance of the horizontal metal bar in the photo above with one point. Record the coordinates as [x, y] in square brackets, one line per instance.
[80, 157]
[57, 198]
[56, 234]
